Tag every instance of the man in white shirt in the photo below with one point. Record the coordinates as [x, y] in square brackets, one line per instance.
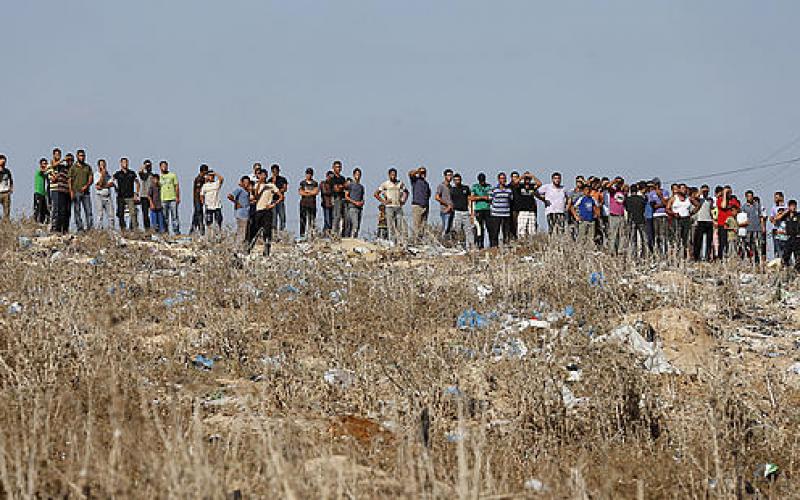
[555, 203]
[393, 194]
[209, 196]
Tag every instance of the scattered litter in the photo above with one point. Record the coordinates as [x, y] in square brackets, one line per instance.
[455, 436]
[340, 377]
[535, 485]
[453, 391]
[569, 399]
[471, 319]
[57, 255]
[766, 471]
[597, 279]
[795, 368]
[569, 311]
[15, 308]
[512, 348]
[274, 361]
[24, 242]
[655, 359]
[288, 289]
[483, 291]
[179, 298]
[574, 373]
[775, 264]
[203, 362]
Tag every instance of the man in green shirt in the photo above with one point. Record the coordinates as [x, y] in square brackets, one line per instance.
[481, 207]
[170, 197]
[80, 180]
[40, 190]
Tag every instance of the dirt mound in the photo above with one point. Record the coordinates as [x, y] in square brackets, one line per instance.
[684, 334]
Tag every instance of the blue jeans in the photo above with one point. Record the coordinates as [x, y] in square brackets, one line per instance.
[84, 201]
[157, 221]
[279, 217]
[327, 214]
[170, 211]
[447, 222]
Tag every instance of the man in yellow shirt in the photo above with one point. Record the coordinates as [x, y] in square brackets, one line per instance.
[170, 196]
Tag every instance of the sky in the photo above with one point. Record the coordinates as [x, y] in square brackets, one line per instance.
[668, 88]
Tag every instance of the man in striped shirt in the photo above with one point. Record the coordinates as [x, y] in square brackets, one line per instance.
[500, 220]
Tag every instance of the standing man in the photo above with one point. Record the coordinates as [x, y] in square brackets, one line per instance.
[128, 186]
[513, 185]
[616, 213]
[59, 192]
[80, 180]
[658, 198]
[209, 196]
[102, 189]
[326, 188]
[309, 189]
[279, 212]
[791, 223]
[724, 212]
[393, 195]
[354, 197]
[481, 208]
[500, 220]
[752, 234]
[778, 230]
[459, 199]
[267, 195]
[146, 178]
[555, 203]
[6, 187]
[198, 220]
[420, 199]
[170, 196]
[704, 228]
[156, 208]
[586, 210]
[445, 202]
[40, 188]
[337, 183]
[635, 205]
[241, 208]
[524, 201]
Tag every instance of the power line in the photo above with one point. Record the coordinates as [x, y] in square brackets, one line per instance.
[743, 169]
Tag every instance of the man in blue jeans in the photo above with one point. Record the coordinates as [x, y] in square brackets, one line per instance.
[170, 196]
[198, 221]
[445, 202]
[80, 180]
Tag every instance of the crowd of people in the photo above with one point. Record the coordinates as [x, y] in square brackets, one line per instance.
[640, 218]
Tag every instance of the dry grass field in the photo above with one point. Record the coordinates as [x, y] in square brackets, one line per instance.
[338, 371]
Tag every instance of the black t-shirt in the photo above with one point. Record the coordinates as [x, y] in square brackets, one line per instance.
[337, 180]
[197, 185]
[524, 199]
[792, 224]
[636, 205]
[280, 182]
[459, 195]
[308, 201]
[125, 182]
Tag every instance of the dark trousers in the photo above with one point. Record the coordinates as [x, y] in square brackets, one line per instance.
[262, 220]
[214, 217]
[327, 216]
[650, 232]
[722, 238]
[482, 219]
[145, 204]
[496, 226]
[514, 218]
[682, 228]
[61, 209]
[703, 229]
[752, 246]
[40, 211]
[197, 218]
[308, 217]
[791, 248]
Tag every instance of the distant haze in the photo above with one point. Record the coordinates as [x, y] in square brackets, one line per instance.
[673, 89]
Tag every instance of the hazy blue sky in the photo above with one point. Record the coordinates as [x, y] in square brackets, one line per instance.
[673, 88]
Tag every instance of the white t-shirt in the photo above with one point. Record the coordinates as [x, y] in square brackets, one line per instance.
[210, 193]
[556, 199]
[682, 207]
[741, 218]
[393, 192]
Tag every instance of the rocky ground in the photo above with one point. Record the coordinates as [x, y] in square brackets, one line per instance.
[151, 367]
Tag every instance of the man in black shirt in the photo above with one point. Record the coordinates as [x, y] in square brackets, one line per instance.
[791, 222]
[309, 189]
[279, 212]
[524, 203]
[127, 185]
[198, 221]
[337, 183]
[461, 225]
[146, 178]
[635, 204]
